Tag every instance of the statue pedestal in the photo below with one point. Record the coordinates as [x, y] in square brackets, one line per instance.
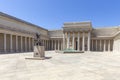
[39, 52]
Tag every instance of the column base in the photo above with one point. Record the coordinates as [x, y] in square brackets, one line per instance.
[88, 51]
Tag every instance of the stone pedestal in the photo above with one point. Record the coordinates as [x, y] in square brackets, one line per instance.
[39, 52]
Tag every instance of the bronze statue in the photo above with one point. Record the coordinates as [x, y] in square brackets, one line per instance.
[37, 40]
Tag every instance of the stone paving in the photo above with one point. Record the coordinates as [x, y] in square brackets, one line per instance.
[83, 66]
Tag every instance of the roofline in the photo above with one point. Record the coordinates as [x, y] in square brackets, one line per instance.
[56, 30]
[105, 27]
[77, 22]
[20, 20]
[66, 24]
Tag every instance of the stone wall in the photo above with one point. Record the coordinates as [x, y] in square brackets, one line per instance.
[12, 24]
[105, 31]
[116, 45]
[56, 34]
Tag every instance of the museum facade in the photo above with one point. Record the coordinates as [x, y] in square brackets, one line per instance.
[17, 35]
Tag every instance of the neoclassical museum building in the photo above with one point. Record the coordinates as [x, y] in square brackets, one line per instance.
[17, 35]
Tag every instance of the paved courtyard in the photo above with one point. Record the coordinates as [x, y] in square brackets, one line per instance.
[86, 66]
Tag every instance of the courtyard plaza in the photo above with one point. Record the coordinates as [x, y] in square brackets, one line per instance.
[58, 66]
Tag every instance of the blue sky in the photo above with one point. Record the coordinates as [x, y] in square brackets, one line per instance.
[51, 14]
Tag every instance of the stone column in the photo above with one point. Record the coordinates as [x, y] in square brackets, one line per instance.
[55, 44]
[11, 43]
[46, 44]
[49, 44]
[21, 44]
[73, 41]
[5, 42]
[52, 45]
[26, 44]
[29, 44]
[32, 43]
[58, 44]
[68, 40]
[78, 41]
[92, 45]
[100, 46]
[16, 43]
[96, 44]
[108, 45]
[83, 42]
[63, 41]
[104, 45]
[61, 45]
[89, 41]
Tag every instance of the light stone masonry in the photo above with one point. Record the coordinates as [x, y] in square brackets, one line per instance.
[80, 36]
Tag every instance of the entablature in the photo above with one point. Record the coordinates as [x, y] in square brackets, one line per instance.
[77, 26]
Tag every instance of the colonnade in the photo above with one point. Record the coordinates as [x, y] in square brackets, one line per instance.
[18, 43]
[55, 44]
[15, 43]
[70, 39]
[101, 45]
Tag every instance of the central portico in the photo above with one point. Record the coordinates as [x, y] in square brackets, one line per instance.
[76, 35]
